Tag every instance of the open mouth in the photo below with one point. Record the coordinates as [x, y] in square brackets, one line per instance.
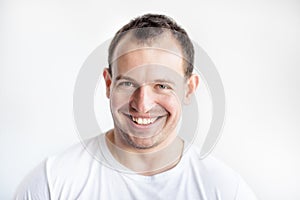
[143, 126]
[143, 121]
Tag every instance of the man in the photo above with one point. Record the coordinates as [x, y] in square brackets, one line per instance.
[148, 82]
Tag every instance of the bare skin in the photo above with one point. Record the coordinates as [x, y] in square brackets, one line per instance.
[146, 104]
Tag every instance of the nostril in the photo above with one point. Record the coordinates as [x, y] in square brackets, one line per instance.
[142, 99]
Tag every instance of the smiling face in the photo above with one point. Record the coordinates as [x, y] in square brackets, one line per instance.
[146, 90]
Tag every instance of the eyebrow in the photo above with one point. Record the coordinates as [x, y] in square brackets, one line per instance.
[164, 81]
[119, 77]
[124, 77]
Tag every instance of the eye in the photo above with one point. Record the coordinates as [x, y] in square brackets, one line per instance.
[126, 84]
[163, 86]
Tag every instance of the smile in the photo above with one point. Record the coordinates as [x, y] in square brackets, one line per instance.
[143, 121]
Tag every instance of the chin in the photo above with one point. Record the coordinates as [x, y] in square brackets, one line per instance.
[142, 143]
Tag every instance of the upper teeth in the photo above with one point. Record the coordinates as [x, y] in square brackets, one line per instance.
[143, 120]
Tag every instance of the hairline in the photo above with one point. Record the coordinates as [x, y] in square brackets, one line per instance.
[148, 43]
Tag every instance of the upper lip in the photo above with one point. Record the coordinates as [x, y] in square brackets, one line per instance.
[143, 116]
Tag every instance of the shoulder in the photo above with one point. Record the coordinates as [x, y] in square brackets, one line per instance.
[34, 185]
[218, 178]
[82, 151]
[62, 172]
[210, 165]
[74, 163]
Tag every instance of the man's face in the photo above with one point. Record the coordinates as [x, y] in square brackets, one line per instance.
[146, 90]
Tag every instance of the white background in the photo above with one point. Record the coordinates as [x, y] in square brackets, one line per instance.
[255, 46]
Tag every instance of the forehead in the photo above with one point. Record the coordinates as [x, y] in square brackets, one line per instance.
[163, 51]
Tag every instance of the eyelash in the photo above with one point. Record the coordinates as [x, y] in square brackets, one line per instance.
[163, 86]
[158, 86]
[126, 83]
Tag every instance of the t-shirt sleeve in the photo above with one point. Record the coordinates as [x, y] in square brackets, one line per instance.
[35, 185]
[244, 192]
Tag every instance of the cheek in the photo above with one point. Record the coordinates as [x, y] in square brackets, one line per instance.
[171, 104]
[117, 101]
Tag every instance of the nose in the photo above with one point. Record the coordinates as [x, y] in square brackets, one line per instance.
[142, 100]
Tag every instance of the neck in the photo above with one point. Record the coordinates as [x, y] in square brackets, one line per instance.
[147, 162]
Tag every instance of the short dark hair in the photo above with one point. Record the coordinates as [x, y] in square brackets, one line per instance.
[148, 27]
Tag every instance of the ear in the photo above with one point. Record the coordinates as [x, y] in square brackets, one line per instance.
[192, 85]
[108, 81]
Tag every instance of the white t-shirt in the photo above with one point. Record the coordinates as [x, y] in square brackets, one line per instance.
[80, 173]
